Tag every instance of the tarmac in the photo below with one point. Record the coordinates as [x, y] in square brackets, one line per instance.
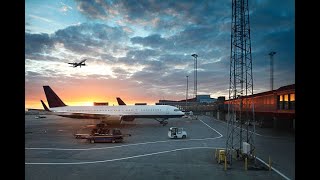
[52, 152]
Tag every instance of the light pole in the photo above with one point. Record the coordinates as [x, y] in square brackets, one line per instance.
[271, 68]
[187, 95]
[195, 74]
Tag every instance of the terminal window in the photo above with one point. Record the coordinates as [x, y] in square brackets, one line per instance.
[286, 101]
[280, 101]
[292, 101]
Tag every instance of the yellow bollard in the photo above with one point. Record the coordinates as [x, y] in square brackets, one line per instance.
[221, 154]
[269, 163]
[246, 164]
[225, 162]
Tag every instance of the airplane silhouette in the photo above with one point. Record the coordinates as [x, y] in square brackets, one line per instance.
[81, 63]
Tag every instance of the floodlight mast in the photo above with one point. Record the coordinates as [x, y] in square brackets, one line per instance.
[195, 74]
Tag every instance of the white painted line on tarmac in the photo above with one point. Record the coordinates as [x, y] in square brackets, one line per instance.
[249, 131]
[256, 157]
[126, 145]
[118, 159]
[137, 156]
[152, 142]
[274, 169]
[211, 128]
[142, 155]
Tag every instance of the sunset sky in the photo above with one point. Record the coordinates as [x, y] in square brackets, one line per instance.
[141, 50]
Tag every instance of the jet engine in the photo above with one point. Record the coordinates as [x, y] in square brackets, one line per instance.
[127, 118]
[112, 120]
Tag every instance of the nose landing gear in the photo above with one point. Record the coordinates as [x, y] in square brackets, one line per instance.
[162, 121]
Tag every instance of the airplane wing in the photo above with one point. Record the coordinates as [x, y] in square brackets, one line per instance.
[84, 115]
[81, 63]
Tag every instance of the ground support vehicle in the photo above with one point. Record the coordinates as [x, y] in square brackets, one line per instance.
[104, 135]
[175, 132]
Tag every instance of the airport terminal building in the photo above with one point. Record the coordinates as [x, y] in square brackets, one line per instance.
[199, 100]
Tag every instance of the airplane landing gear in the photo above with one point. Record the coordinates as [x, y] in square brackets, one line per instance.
[163, 121]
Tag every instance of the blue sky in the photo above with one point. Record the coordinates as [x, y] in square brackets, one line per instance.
[141, 50]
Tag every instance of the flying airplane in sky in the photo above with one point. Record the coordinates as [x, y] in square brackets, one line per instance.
[81, 63]
[110, 114]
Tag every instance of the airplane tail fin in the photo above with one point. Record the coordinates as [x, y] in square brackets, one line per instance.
[52, 98]
[44, 106]
[120, 102]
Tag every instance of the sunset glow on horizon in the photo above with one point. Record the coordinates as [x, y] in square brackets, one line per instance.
[141, 51]
[75, 98]
[38, 105]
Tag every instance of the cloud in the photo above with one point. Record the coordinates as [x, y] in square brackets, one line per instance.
[150, 51]
[32, 74]
[87, 39]
[64, 8]
[157, 16]
[37, 43]
[40, 18]
[92, 9]
[154, 41]
[134, 56]
[97, 35]
[46, 20]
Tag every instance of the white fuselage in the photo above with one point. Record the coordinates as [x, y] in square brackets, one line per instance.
[115, 114]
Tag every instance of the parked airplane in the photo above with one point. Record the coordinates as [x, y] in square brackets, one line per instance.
[81, 63]
[110, 114]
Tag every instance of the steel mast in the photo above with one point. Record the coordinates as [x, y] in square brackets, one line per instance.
[240, 110]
